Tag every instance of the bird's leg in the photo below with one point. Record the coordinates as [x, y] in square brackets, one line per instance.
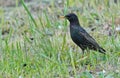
[83, 55]
[83, 52]
[83, 58]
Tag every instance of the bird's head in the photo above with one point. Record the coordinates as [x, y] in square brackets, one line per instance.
[71, 17]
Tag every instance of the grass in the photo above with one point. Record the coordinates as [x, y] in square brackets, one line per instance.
[42, 48]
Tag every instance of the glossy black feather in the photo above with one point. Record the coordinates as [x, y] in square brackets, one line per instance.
[80, 36]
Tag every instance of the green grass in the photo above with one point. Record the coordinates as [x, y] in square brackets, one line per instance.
[51, 53]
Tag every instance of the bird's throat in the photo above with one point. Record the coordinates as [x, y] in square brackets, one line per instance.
[74, 24]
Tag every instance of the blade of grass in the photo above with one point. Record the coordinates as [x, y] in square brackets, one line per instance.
[30, 15]
[73, 64]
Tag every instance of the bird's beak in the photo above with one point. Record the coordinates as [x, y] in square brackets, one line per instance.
[61, 17]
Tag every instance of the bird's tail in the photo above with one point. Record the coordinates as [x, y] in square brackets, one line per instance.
[102, 50]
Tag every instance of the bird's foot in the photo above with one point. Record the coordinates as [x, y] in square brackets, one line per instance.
[83, 58]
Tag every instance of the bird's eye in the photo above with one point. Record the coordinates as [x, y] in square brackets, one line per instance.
[68, 16]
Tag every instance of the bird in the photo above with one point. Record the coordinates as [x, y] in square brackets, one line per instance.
[79, 35]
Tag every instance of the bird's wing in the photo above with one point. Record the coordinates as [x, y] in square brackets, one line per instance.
[88, 38]
[91, 41]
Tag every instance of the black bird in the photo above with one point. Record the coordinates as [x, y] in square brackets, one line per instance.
[80, 36]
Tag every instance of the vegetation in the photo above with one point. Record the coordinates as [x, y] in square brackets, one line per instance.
[34, 43]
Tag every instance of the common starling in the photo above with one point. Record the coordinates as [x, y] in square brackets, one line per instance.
[80, 36]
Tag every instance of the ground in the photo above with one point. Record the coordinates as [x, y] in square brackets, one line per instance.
[35, 43]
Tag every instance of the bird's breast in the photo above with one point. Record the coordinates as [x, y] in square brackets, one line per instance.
[76, 37]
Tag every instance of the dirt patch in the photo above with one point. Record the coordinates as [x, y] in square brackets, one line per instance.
[10, 3]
